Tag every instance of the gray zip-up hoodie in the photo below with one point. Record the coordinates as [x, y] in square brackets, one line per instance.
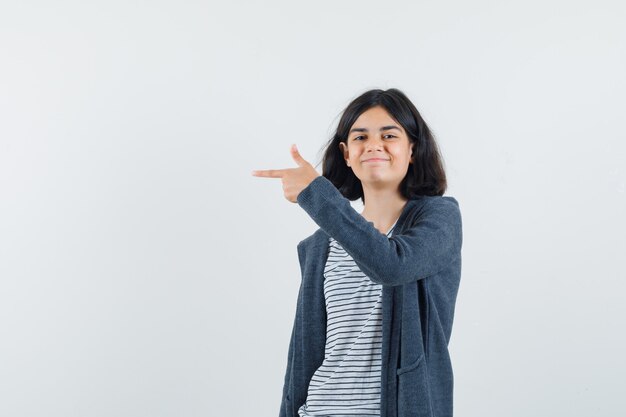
[419, 267]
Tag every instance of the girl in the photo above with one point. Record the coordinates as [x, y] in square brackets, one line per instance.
[376, 302]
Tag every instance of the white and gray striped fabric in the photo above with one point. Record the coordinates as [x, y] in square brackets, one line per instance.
[348, 381]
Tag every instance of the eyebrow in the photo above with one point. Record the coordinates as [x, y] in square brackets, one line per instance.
[382, 129]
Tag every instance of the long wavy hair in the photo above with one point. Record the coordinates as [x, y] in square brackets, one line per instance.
[425, 175]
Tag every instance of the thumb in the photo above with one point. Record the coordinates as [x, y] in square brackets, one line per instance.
[297, 157]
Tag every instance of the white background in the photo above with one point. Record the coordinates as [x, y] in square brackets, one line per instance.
[145, 272]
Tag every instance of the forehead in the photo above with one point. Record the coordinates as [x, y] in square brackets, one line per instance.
[373, 114]
[375, 117]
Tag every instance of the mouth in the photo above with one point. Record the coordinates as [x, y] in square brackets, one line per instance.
[375, 160]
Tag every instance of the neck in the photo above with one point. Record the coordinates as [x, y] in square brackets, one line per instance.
[382, 207]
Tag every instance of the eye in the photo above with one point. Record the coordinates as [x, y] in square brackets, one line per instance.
[357, 137]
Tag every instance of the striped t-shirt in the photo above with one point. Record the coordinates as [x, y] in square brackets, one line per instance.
[347, 383]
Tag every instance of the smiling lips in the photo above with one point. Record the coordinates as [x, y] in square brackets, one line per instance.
[375, 160]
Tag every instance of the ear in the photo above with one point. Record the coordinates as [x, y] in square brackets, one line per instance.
[344, 150]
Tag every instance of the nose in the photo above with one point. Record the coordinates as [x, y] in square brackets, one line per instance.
[373, 144]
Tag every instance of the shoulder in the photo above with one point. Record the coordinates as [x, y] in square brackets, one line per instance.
[438, 209]
[445, 204]
[316, 239]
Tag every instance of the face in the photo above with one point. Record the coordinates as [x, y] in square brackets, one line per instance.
[378, 149]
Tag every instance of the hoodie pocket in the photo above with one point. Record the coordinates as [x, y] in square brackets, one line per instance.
[410, 366]
[413, 395]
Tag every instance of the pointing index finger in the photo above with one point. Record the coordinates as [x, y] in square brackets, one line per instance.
[269, 173]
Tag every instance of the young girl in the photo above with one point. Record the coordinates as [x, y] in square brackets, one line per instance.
[376, 302]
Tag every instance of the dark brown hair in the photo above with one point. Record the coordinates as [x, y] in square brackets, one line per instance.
[425, 175]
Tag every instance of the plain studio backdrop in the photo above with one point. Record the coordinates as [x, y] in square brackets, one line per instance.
[145, 272]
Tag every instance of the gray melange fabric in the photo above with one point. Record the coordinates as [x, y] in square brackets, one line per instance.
[419, 269]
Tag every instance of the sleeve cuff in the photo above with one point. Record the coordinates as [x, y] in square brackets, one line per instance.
[316, 193]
